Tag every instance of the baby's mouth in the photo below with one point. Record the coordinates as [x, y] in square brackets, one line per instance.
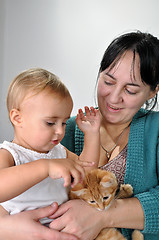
[55, 142]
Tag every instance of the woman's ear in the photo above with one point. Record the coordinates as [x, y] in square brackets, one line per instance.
[15, 117]
[153, 93]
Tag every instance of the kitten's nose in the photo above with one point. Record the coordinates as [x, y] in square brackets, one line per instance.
[101, 206]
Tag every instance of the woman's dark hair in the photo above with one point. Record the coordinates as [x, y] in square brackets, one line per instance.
[147, 47]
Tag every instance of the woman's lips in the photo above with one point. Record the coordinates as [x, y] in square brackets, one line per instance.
[113, 108]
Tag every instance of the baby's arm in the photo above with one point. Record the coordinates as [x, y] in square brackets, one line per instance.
[89, 124]
[14, 180]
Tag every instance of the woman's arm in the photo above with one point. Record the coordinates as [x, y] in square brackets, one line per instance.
[123, 213]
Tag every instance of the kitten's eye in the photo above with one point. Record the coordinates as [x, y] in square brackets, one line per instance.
[92, 201]
[105, 198]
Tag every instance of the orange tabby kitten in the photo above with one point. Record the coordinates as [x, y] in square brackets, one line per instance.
[98, 189]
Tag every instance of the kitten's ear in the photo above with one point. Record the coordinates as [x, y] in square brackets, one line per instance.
[109, 181]
[78, 189]
[79, 192]
[107, 184]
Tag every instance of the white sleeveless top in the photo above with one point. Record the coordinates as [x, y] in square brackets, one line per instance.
[42, 194]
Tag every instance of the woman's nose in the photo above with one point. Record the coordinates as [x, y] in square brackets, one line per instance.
[115, 95]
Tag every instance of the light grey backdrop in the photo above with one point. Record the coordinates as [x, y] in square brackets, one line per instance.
[67, 37]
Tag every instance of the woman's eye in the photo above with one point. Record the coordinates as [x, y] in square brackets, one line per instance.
[108, 83]
[130, 92]
[64, 124]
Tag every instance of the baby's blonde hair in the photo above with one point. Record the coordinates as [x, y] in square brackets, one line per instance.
[33, 80]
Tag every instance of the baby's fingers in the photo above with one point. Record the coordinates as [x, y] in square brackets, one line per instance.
[87, 111]
[81, 114]
[67, 179]
[85, 164]
[90, 111]
[93, 111]
[74, 176]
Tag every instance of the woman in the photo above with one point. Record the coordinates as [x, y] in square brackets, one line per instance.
[128, 78]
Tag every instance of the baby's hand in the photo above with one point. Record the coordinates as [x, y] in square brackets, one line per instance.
[71, 171]
[90, 122]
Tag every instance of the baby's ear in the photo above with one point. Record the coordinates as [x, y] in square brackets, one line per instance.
[15, 117]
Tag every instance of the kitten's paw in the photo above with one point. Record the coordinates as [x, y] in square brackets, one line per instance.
[137, 235]
[126, 190]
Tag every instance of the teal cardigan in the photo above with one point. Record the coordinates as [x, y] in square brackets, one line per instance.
[142, 168]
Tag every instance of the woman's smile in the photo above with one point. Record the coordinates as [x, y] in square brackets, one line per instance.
[112, 108]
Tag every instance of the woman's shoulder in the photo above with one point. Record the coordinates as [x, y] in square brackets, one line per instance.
[71, 123]
[69, 138]
[142, 113]
[148, 119]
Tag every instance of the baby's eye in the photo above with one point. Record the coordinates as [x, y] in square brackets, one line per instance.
[50, 123]
[64, 124]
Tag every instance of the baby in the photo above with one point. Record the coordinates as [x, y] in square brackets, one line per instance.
[35, 169]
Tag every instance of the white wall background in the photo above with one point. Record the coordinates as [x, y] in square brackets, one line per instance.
[67, 37]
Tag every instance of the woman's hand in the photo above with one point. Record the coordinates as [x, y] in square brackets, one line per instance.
[26, 226]
[78, 218]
